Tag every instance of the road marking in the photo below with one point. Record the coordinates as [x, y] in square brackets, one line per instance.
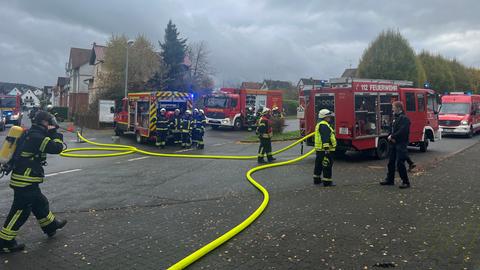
[184, 150]
[64, 172]
[139, 158]
[219, 144]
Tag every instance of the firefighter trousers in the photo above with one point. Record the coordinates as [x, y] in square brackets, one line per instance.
[177, 136]
[26, 200]
[161, 137]
[398, 154]
[186, 140]
[323, 164]
[197, 136]
[265, 148]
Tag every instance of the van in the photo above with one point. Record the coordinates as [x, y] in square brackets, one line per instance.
[460, 114]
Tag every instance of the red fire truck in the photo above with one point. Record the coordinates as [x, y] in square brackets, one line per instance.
[363, 112]
[460, 114]
[228, 107]
[11, 106]
[138, 113]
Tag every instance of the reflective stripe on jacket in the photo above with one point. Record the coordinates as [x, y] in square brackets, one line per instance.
[325, 137]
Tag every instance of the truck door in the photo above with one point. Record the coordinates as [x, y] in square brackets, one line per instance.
[417, 117]
[324, 101]
[432, 111]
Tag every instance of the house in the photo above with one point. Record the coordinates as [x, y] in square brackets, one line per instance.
[29, 99]
[309, 84]
[80, 72]
[14, 92]
[38, 92]
[60, 92]
[251, 85]
[97, 58]
[276, 85]
[349, 73]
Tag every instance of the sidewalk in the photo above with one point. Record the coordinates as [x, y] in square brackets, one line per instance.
[433, 225]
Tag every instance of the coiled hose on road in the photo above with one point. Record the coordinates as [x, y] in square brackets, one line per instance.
[121, 150]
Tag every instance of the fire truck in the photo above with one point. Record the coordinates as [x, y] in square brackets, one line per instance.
[460, 114]
[11, 106]
[138, 112]
[228, 107]
[363, 112]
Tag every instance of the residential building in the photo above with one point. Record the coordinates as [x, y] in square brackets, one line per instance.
[80, 72]
[14, 92]
[276, 85]
[29, 99]
[97, 56]
[349, 73]
[309, 84]
[60, 92]
[251, 85]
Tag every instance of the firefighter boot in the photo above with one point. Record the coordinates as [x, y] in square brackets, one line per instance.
[261, 160]
[328, 183]
[270, 158]
[52, 228]
[10, 246]
[317, 180]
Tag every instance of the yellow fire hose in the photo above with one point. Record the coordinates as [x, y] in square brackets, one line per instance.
[125, 150]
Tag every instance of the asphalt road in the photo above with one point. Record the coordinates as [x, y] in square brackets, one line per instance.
[111, 200]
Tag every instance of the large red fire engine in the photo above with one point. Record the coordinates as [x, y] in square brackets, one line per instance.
[229, 106]
[12, 109]
[138, 112]
[363, 112]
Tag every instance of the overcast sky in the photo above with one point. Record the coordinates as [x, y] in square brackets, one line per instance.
[249, 40]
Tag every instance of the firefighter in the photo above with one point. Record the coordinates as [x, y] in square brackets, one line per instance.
[325, 144]
[199, 128]
[162, 128]
[26, 177]
[258, 115]
[250, 118]
[276, 113]
[194, 132]
[398, 152]
[175, 127]
[264, 132]
[186, 129]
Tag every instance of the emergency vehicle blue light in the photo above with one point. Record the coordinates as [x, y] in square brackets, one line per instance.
[9, 113]
[469, 93]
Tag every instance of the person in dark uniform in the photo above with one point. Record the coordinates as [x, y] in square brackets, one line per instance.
[175, 127]
[250, 115]
[325, 144]
[198, 131]
[398, 147]
[41, 139]
[264, 132]
[162, 128]
[186, 129]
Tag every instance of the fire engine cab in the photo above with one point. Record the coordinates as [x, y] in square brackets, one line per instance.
[460, 114]
[138, 112]
[363, 112]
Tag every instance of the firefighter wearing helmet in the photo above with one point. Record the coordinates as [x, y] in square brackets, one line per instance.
[325, 144]
[199, 123]
[162, 128]
[27, 175]
[186, 129]
[264, 132]
[175, 126]
[251, 119]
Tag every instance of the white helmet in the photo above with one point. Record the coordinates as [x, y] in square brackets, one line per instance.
[275, 108]
[324, 113]
[266, 110]
[177, 110]
[201, 111]
[188, 112]
[163, 110]
[49, 106]
[195, 110]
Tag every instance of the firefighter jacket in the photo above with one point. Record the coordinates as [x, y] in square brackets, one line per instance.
[162, 122]
[175, 122]
[186, 123]
[251, 118]
[325, 137]
[400, 128]
[39, 142]
[264, 128]
[199, 121]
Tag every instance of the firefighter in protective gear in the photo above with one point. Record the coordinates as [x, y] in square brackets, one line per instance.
[162, 128]
[198, 131]
[26, 177]
[186, 129]
[175, 127]
[325, 144]
[276, 113]
[264, 132]
[250, 118]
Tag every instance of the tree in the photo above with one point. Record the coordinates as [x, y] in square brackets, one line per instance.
[199, 70]
[143, 63]
[173, 54]
[463, 81]
[390, 56]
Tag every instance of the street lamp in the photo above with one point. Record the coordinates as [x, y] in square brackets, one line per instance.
[129, 43]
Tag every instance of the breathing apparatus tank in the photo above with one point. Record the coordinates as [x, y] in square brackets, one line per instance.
[10, 144]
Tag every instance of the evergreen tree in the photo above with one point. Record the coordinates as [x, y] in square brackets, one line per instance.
[173, 54]
[390, 57]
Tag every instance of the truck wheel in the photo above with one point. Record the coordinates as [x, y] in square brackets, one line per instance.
[237, 125]
[139, 138]
[424, 145]
[470, 133]
[381, 152]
